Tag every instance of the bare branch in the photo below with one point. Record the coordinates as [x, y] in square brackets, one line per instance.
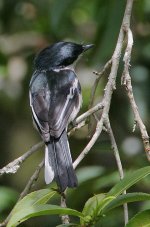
[31, 181]
[138, 120]
[110, 84]
[88, 113]
[119, 164]
[27, 188]
[126, 81]
[99, 76]
[90, 144]
[104, 120]
[13, 166]
[80, 121]
[95, 85]
[65, 218]
[80, 125]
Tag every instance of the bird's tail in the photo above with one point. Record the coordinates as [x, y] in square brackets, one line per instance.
[58, 163]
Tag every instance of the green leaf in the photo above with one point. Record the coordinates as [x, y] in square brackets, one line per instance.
[104, 203]
[128, 198]
[34, 198]
[142, 219]
[91, 207]
[129, 180]
[99, 204]
[92, 204]
[39, 210]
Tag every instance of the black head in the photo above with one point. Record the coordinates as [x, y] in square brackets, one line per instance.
[59, 55]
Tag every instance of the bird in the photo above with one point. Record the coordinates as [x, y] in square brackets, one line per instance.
[55, 100]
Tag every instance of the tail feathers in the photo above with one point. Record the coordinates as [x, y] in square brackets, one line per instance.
[49, 172]
[60, 163]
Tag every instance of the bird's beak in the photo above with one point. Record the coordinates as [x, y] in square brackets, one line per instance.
[86, 47]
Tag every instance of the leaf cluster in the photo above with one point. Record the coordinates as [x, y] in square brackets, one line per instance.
[98, 206]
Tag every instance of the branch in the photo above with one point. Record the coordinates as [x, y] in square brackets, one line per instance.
[95, 85]
[27, 188]
[88, 113]
[31, 181]
[119, 164]
[105, 106]
[99, 76]
[13, 166]
[126, 81]
[111, 84]
[81, 120]
[65, 218]
[78, 126]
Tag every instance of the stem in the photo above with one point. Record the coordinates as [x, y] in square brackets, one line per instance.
[119, 164]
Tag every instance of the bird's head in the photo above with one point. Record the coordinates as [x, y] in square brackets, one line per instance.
[59, 55]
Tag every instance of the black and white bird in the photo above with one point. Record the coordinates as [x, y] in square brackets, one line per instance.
[55, 100]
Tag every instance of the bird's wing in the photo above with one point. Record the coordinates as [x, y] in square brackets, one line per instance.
[54, 98]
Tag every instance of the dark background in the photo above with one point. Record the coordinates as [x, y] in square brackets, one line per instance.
[28, 26]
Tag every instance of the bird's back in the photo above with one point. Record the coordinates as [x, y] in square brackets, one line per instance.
[55, 97]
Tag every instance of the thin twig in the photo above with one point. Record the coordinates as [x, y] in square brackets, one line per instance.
[32, 180]
[96, 82]
[119, 164]
[138, 120]
[94, 88]
[27, 188]
[126, 81]
[81, 120]
[80, 125]
[16, 163]
[106, 100]
[13, 166]
[110, 84]
[65, 218]
[89, 112]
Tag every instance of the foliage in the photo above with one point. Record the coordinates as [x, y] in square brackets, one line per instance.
[28, 26]
[34, 204]
[141, 219]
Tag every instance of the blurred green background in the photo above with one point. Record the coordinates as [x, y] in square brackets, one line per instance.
[28, 26]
